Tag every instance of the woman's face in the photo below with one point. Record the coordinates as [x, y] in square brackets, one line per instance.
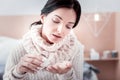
[57, 24]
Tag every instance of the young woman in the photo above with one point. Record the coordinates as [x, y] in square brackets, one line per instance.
[50, 50]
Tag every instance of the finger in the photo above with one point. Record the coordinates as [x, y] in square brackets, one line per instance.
[27, 69]
[35, 56]
[32, 60]
[52, 69]
[66, 64]
[63, 68]
[69, 65]
[36, 62]
[23, 68]
[30, 66]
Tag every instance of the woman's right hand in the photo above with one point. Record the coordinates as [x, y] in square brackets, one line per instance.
[29, 63]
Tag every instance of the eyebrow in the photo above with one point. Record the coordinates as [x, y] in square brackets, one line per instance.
[62, 19]
[59, 17]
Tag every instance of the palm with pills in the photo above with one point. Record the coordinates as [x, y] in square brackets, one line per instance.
[60, 68]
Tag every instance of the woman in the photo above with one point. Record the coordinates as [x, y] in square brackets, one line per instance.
[50, 50]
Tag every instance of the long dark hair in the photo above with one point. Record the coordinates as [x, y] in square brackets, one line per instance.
[52, 5]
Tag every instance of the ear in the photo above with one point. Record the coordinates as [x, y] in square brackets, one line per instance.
[42, 18]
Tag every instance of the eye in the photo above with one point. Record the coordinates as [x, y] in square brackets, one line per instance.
[70, 26]
[55, 20]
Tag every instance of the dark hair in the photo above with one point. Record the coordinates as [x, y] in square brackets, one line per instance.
[52, 5]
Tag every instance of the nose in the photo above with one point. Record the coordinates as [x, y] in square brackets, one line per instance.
[60, 28]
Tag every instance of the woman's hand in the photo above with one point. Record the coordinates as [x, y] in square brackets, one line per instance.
[29, 63]
[60, 68]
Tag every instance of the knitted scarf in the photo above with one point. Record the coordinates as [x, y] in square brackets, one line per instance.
[33, 43]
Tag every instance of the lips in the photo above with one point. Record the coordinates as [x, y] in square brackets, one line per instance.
[57, 36]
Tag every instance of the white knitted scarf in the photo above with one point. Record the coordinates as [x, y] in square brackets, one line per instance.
[57, 52]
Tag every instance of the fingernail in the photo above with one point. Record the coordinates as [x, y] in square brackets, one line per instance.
[38, 68]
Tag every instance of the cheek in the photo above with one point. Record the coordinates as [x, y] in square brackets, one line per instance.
[49, 27]
[47, 30]
[66, 32]
[48, 22]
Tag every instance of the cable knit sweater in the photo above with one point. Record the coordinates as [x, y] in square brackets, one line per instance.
[69, 49]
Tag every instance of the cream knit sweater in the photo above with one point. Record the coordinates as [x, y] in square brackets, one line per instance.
[68, 49]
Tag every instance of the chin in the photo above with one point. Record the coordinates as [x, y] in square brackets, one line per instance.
[55, 41]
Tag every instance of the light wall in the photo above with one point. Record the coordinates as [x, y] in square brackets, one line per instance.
[118, 43]
[104, 41]
[16, 26]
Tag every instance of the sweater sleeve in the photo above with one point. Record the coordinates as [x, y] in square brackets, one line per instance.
[78, 64]
[76, 73]
[12, 61]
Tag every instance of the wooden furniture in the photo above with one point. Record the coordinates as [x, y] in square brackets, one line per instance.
[106, 66]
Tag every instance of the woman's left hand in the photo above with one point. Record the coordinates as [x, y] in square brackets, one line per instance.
[60, 68]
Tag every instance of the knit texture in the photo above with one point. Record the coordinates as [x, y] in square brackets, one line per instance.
[69, 49]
